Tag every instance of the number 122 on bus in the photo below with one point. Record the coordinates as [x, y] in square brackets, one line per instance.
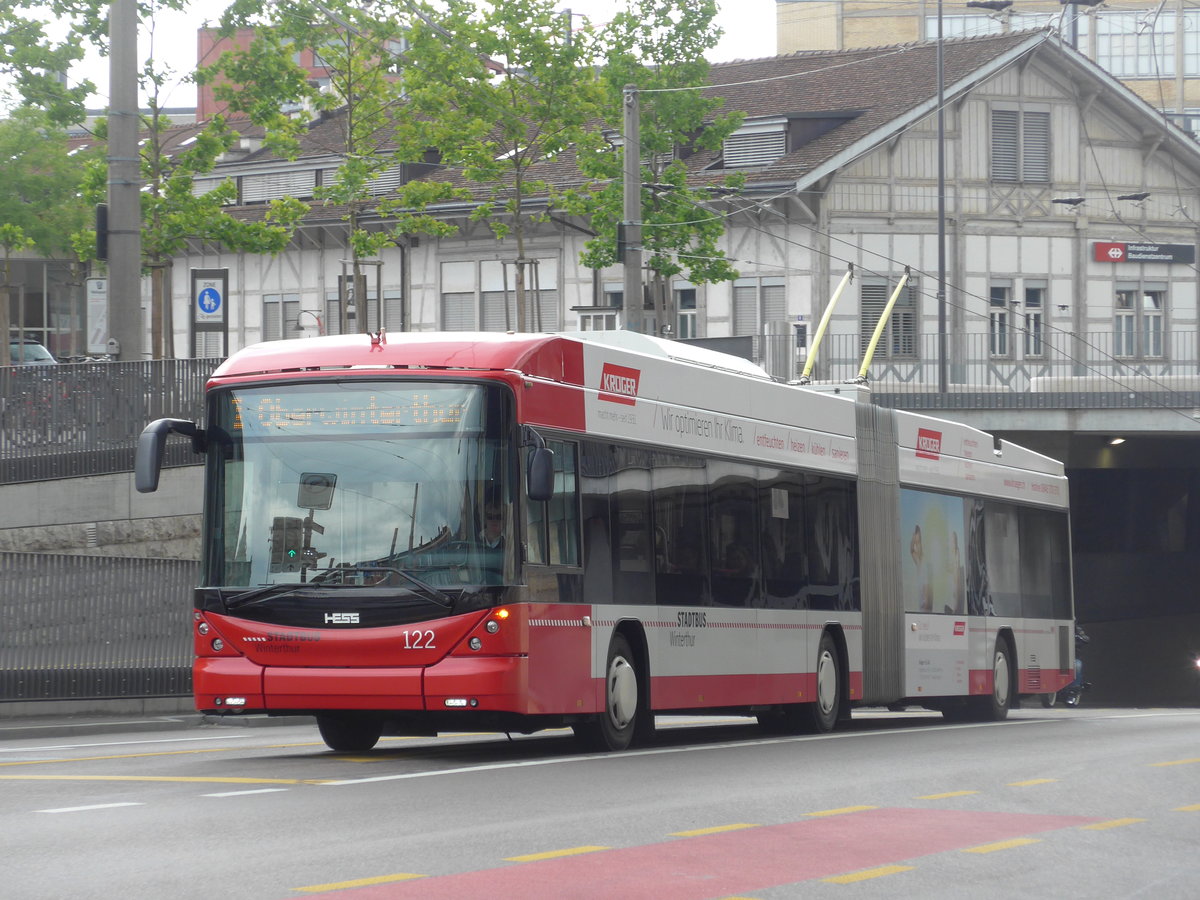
[443, 532]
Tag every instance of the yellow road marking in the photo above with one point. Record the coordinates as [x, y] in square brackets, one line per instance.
[358, 882]
[187, 779]
[1001, 845]
[1177, 762]
[1114, 823]
[716, 828]
[947, 794]
[1032, 781]
[554, 854]
[868, 873]
[73, 759]
[1195, 807]
[842, 811]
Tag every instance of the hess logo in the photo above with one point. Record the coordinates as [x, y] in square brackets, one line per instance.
[929, 443]
[341, 618]
[619, 384]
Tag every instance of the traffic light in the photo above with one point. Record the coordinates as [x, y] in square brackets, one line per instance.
[287, 544]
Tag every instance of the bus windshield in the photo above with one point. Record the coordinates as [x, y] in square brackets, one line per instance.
[359, 483]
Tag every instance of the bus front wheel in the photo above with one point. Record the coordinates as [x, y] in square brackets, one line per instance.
[349, 734]
[614, 728]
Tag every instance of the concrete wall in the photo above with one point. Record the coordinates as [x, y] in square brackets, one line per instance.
[105, 515]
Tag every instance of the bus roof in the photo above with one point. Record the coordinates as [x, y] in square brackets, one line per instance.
[539, 355]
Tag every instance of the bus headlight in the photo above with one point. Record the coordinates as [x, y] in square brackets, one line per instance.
[475, 643]
[492, 626]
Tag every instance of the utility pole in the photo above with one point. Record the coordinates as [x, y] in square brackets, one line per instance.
[633, 210]
[124, 183]
[941, 205]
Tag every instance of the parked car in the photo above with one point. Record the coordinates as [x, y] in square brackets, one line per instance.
[29, 352]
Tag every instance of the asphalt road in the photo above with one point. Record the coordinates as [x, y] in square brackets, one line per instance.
[1051, 803]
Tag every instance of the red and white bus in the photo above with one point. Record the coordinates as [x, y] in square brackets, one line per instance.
[449, 531]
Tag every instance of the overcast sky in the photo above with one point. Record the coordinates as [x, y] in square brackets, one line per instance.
[749, 27]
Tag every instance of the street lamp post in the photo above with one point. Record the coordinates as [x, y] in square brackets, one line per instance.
[316, 318]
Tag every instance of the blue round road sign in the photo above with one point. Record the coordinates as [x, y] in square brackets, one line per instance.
[209, 300]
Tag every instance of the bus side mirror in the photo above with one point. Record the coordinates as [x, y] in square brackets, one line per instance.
[147, 462]
[540, 477]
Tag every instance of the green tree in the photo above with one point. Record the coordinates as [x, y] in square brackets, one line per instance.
[658, 46]
[514, 90]
[45, 198]
[359, 104]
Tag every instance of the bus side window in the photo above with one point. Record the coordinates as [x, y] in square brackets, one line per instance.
[552, 527]
[781, 511]
[563, 508]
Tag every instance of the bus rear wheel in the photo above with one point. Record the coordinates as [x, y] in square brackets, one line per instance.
[820, 716]
[824, 712]
[614, 728]
[349, 734]
[995, 706]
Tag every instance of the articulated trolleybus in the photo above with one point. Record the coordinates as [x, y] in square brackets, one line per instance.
[441, 532]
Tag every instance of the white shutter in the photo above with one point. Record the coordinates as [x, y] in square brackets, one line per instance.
[495, 317]
[761, 149]
[274, 185]
[458, 313]
[1035, 147]
[774, 300]
[1005, 159]
[210, 344]
[386, 181]
[745, 308]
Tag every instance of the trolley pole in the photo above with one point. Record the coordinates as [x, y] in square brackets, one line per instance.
[633, 211]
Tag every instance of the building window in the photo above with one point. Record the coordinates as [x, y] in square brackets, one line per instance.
[1020, 146]
[973, 26]
[1138, 321]
[757, 300]
[606, 320]
[755, 144]
[458, 296]
[685, 310]
[279, 316]
[999, 319]
[899, 339]
[1035, 323]
[483, 296]
[1122, 43]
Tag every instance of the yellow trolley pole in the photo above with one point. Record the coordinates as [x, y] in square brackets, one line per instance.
[879, 326]
[812, 354]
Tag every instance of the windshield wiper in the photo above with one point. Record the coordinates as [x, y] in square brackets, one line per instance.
[266, 592]
[428, 590]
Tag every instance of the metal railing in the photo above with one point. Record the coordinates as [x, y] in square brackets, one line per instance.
[94, 627]
[85, 418]
[1066, 371]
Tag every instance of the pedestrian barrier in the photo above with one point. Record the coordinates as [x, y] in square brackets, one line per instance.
[94, 627]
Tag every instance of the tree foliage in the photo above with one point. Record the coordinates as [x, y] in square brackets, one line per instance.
[517, 90]
[48, 186]
[358, 108]
[658, 47]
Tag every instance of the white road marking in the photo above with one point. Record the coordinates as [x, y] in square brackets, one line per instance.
[87, 808]
[629, 754]
[244, 793]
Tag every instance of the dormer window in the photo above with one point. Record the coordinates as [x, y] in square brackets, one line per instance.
[756, 144]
